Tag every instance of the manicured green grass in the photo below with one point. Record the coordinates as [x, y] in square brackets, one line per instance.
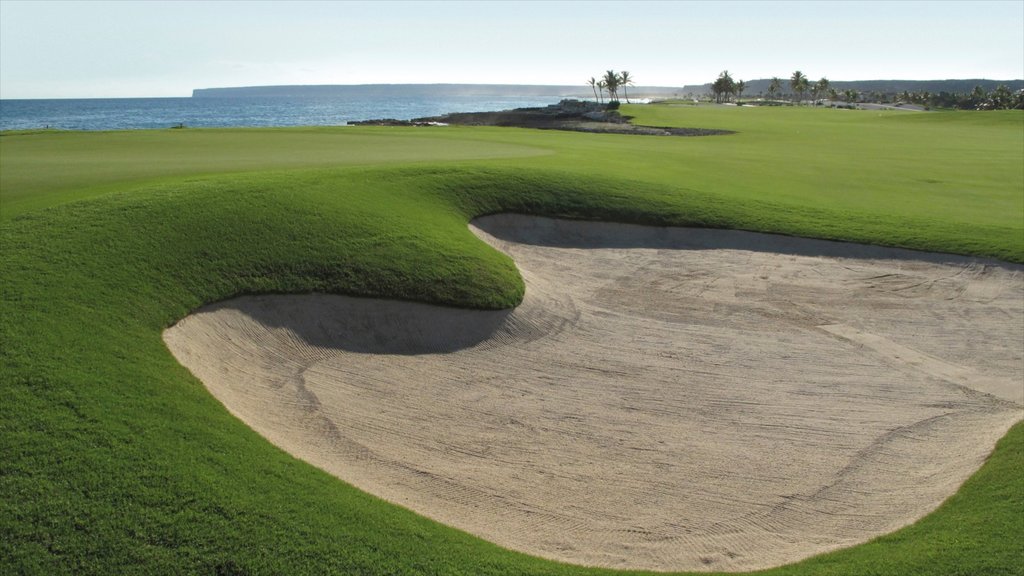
[44, 168]
[952, 182]
[115, 460]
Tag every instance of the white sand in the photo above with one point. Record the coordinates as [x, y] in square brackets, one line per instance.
[667, 399]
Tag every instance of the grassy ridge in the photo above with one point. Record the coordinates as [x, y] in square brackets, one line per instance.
[115, 460]
[42, 169]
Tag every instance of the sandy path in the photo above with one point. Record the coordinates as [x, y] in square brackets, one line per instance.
[667, 399]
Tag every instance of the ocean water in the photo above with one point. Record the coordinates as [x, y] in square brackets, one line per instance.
[149, 113]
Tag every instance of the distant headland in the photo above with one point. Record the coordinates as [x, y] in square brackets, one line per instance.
[418, 91]
[577, 91]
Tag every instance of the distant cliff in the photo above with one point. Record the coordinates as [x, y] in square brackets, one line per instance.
[754, 87]
[421, 91]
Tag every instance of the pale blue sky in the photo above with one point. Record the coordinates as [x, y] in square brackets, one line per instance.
[52, 49]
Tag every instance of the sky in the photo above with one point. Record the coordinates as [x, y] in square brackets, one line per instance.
[81, 49]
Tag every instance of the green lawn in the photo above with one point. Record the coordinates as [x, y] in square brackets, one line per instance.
[115, 460]
[44, 168]
[943, 181]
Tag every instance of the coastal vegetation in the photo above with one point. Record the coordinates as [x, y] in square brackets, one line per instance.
[611, 82]
[798, 82]
[724, 87]
[1001, 97]
[116, 460]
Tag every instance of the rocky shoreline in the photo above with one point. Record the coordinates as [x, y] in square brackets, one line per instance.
[571, 115]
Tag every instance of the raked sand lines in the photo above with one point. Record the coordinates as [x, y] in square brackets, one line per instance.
[669, 399]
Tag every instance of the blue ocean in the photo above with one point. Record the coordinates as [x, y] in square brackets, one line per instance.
[150, 113]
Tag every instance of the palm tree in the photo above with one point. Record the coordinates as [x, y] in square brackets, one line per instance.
[740, 87]
[821, 88]
[593, 86]
[611, 81]
[626, 80]
[774, 87]
[601, 85]
[798, 82]
[723, 86]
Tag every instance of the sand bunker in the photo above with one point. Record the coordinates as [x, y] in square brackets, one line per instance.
[667, 399]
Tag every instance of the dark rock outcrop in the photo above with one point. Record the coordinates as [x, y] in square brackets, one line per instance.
[573, 115]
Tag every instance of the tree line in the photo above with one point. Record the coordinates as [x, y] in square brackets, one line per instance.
[999, 98]
[610, 83]
[726, 89]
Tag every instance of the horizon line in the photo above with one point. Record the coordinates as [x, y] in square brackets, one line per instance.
[393, 84]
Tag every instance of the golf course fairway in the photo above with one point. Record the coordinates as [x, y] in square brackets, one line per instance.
[116, 459]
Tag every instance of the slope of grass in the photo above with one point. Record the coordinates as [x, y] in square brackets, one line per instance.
[45, 168]
[113, 459]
